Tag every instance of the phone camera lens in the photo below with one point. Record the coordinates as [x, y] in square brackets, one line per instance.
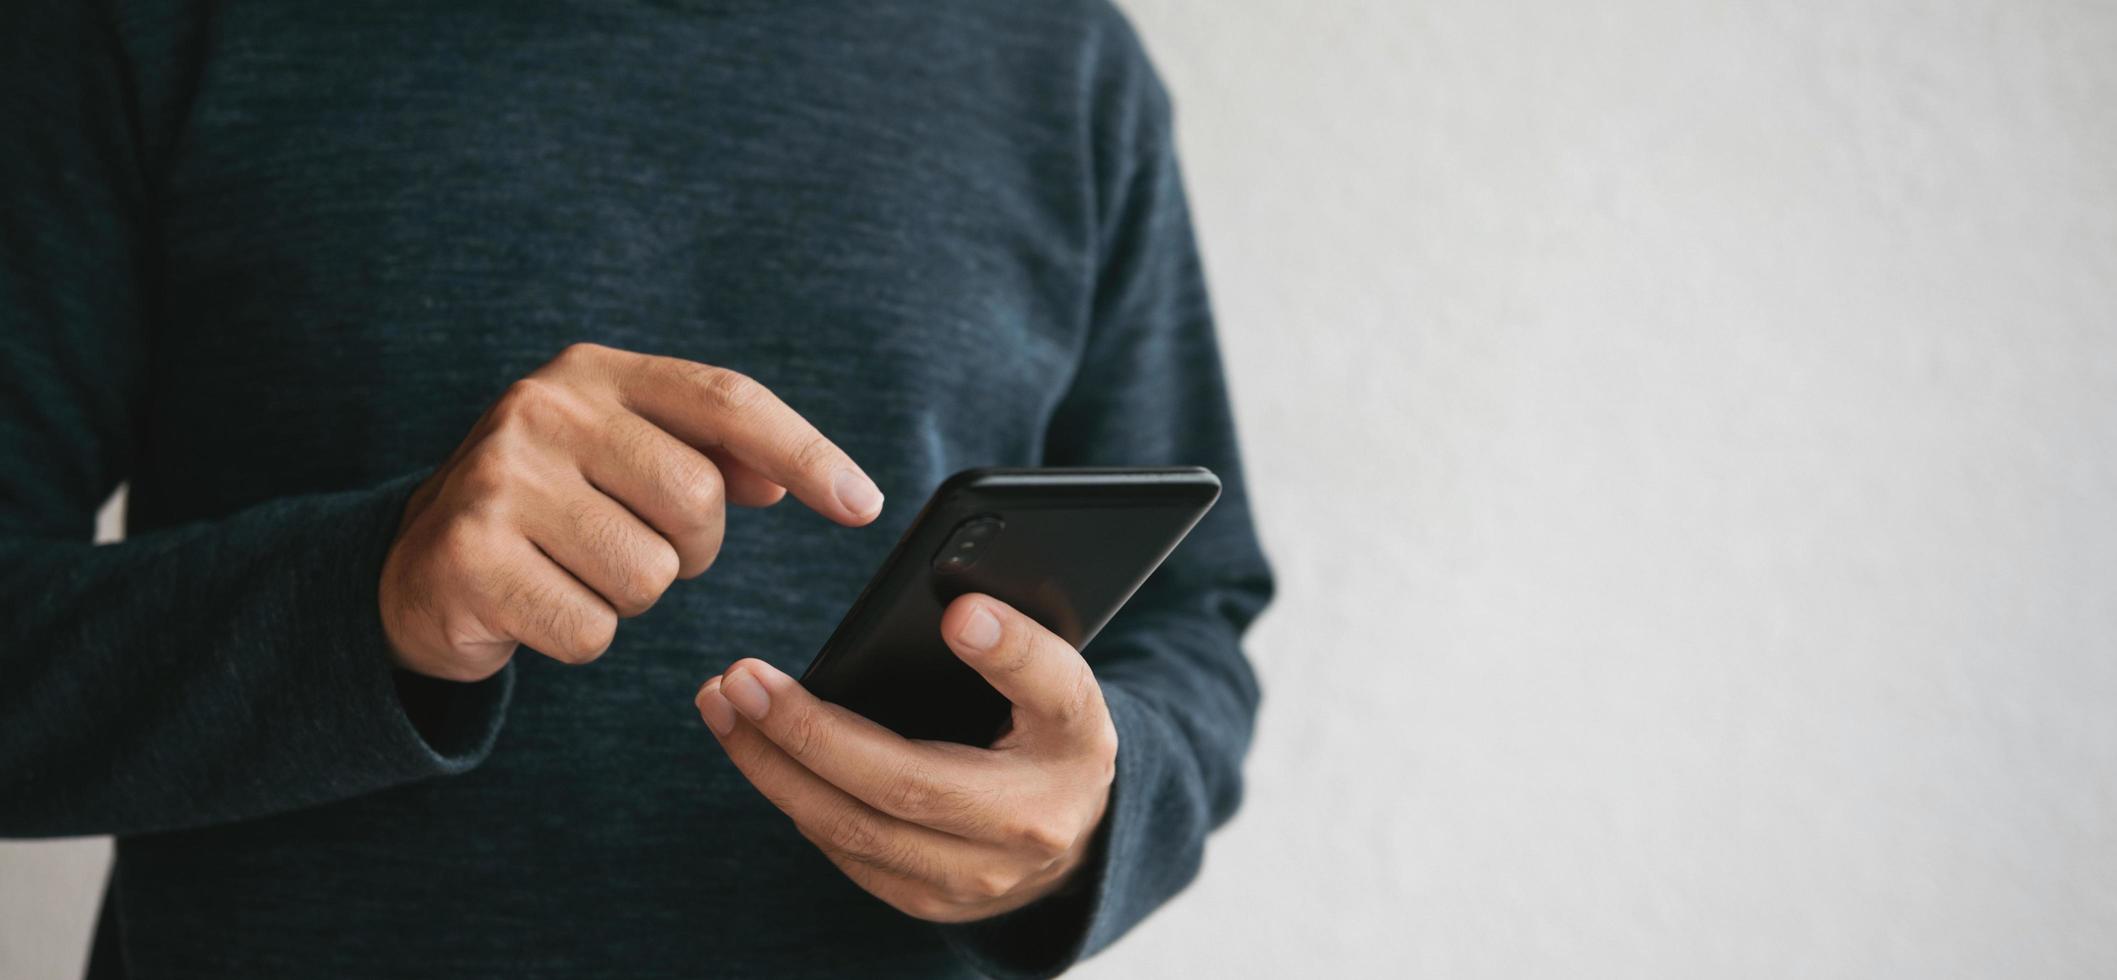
[962, 550]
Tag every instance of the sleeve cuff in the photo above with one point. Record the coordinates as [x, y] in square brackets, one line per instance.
[414, 726]
[458, 723]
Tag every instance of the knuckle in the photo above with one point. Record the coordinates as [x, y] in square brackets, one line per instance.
[462, 544]
[537, 403]
[578, 353]
[583, 634]
[753, 754]
[599, 632]
[461, 633]
[731, 392]
[1041, 835]
[917, 795]
[487, 476]
[987, 884]
[696, 488]
[1016, 656]
[632, 600]
[566, 655]
[525, 400]
[806, 733]
[482, 591]
[632, 439]
[1080, 699]
[468, 557]
[912, 792]
[590, 521]
[658, 567]
[855, 833]
[638, 566]
[471, 655]
[815, 454]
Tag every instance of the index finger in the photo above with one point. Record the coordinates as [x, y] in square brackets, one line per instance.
[715, 408]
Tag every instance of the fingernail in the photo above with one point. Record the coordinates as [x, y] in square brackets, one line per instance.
[748, 696]
[980, 629]
[714, 707]
[858, 493]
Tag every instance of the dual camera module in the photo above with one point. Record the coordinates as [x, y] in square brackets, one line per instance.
[967, 543]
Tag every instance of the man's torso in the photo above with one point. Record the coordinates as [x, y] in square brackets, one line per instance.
[371, 217]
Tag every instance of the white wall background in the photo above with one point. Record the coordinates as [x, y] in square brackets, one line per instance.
[1688, 435]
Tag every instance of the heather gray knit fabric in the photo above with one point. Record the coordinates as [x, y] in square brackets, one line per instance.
[268, 260]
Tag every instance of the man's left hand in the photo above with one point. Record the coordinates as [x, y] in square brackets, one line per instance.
[943, 832]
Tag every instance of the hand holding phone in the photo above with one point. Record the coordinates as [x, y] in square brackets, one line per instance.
[942, 831]
[953, 832]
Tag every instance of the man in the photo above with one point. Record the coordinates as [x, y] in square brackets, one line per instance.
[432, 342]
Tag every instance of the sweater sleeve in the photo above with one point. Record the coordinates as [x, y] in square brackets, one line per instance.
[1150, 391]
[187, 676]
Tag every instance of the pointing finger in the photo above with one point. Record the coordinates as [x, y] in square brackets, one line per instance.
[714, 408]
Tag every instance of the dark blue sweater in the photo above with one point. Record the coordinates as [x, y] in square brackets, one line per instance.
[266, 261]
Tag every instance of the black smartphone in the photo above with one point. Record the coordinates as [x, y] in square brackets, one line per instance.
[1065, 546]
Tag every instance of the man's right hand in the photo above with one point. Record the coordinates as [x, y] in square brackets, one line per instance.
[581, 495]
